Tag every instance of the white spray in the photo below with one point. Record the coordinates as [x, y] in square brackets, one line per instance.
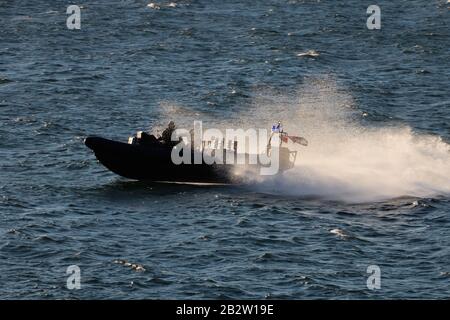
[345, 160]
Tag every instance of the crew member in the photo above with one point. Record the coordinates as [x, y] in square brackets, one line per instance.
[167, 133]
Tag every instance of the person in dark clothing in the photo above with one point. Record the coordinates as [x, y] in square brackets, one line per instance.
[166, 136]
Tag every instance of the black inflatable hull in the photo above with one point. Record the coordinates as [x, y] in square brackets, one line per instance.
[153, 163]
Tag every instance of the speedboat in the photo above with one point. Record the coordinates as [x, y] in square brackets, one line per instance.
[147, 158]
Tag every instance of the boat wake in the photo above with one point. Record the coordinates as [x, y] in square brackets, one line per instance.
[348, 157]
[347, 160]
[375, 165]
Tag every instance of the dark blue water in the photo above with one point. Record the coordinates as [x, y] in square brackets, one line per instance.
[381, 198]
